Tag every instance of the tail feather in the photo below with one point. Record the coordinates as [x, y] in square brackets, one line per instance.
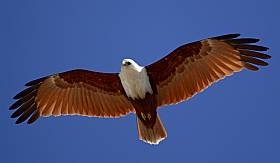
[151, 135]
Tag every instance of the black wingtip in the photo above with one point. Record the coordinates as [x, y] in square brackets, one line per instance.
[19, 121]
[268, 56]
[16, 105]
[33, 118]
[226, 37]
[13, 115]
[27, 113]
[243, 41]
[36, 81]
[250, 53]
[26, 92]
[250, 47]
[25, 104]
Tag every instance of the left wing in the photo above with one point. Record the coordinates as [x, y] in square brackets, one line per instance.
[76, 92]
[193, 67]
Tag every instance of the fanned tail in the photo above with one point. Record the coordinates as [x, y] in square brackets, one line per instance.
[151, 135]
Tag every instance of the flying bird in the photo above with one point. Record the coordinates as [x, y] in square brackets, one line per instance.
[177, 77]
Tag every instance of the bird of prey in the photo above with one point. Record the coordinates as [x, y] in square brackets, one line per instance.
[178, 76]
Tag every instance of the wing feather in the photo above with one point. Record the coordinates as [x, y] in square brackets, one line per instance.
[65, 102]
[193, 67]
[50, 103]
[76, 92]
[33, 117]
[56, 104]
[84, 102]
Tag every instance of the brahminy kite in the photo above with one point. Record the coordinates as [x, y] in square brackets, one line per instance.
[180, 75]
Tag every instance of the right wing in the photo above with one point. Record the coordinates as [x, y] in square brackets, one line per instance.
[193, 67]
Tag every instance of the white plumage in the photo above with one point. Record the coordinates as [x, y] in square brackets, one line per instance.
[134, 79]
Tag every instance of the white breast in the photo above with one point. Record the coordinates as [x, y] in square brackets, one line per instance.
[135, 81]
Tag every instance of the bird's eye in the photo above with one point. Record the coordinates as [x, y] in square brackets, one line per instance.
[128, 63]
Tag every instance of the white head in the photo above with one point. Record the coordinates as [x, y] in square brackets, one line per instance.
[129, 64]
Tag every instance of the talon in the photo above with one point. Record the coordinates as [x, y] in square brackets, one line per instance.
[143, 116]
[149, 116]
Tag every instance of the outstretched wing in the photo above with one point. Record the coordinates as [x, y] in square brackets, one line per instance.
[76, 92]
[193, 67]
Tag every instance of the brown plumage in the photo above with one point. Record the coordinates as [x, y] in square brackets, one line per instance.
[180, 75]
[76, 92]
[197, 65]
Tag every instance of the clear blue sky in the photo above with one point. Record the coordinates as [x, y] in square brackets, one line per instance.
[235, 120]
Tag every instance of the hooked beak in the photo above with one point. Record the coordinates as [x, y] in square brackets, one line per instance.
[126, 63]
